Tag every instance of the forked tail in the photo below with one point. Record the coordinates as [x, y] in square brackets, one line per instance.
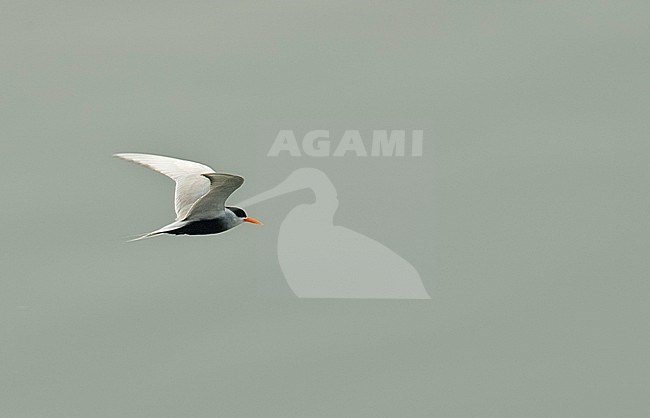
[167, 228]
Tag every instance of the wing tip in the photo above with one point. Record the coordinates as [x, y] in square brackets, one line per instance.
[124, 155]
[210, 176]
[131, 154]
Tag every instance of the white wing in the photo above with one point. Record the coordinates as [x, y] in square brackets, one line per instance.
[213, 203]
[191, 185]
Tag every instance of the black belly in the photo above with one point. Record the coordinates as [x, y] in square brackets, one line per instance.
[212, 226]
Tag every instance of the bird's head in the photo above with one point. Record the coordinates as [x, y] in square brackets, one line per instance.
[241, 214]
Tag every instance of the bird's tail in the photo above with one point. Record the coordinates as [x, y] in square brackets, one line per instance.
[167, 228]
[149, 235]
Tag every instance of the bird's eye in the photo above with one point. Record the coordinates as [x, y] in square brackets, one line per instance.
[238, 211]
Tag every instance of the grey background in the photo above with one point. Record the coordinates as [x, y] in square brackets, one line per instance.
[527, 216]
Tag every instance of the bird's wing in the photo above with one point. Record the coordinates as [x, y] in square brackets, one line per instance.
[213, 203]
[191, 185]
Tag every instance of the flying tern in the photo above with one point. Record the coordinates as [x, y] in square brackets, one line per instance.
[200, 197]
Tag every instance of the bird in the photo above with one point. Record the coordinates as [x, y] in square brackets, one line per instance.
[200, 196]
[322, 260]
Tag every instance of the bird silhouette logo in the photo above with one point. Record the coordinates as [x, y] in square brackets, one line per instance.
[323, 260]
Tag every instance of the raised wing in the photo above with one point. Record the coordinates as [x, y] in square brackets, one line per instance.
[191, 185]
[213, 203]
